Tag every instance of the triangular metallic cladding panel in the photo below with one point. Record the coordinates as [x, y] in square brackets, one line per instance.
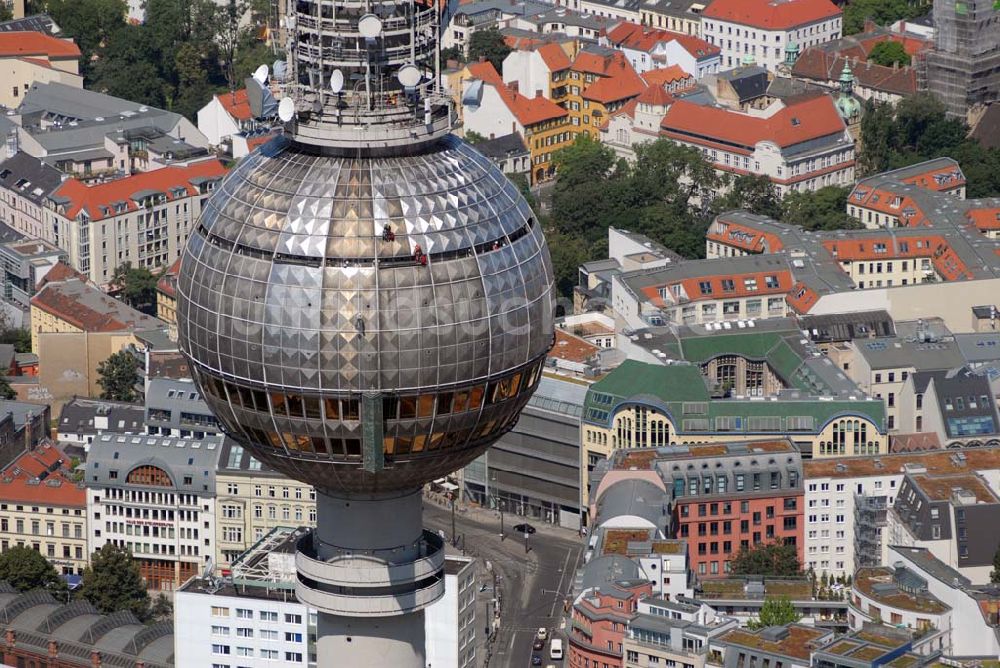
[289, 288]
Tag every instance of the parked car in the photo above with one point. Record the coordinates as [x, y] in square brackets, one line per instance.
[524, 528]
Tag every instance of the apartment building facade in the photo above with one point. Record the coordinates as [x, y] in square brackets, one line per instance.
[760, 30]
[155, 496]
[143, 219]
[252, 500]
[44, 508]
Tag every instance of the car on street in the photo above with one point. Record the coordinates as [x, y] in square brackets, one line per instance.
[542, 634]
[524, 528]
[536, 660]
[538, 644]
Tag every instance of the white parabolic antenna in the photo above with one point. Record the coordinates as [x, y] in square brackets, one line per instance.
[260, 75]
[337, 81]
[408, 75]
[370, 25]
[286, 109]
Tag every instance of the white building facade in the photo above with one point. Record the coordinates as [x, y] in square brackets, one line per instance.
[761, 30]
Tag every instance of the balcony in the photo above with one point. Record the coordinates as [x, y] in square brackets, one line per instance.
[347, 603]
[375, 570]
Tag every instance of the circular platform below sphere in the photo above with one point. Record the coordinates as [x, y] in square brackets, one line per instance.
[366, 324]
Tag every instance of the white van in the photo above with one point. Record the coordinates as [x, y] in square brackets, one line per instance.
[556, 650]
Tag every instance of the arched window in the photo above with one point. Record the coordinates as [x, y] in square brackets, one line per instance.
[150, 476]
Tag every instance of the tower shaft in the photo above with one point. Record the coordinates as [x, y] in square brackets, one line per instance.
[370, 569]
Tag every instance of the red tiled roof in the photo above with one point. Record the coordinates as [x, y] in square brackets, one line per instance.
[985, 219]
[19, 481]
[665, 76]
[912, 45]
[623, 86]
[527, 110]
[572, 348]
[801, 298]
[888, 202]
[692, 286]
[818, 65]
[746, 238]
[519, 42]
[555, 58]
[236, 104]
[771, 14]
[59, 272]
[41, 62]
[944, 178]
[808, 119]
[644, 38]
[168, 281]
[656, 96]
[944, 258]
[260, 140]
[30, 43]
[92, 198]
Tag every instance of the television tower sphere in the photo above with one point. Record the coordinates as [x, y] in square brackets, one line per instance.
[366, 323]
[366, 303]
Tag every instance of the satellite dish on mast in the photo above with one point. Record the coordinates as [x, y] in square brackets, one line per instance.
[408, 75]
[260, 74]
[370, 25]
[286, 109]
[337, 81]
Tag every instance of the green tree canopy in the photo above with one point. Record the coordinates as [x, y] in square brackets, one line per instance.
[752, 192]
[775, 612]
[823, 209]
[19, 338]
[882, 12]
[776, 558]
[137, 285]
[112, 582]
[91, 24]
[889, 53]
[25, 570]
[995, 573]
[490, 45]
[117, 377]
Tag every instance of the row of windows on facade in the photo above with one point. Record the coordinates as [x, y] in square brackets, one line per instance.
[236, 513]
[233, 489]
[36, 528]
[710, 27]
[68, 551]
[248, 652]
[219, 631]
[726, 508]
[154, 548]
[742, 482]
[165, 532]
[159, 514]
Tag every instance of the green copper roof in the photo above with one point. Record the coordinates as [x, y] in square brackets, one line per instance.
[681, 391]
[752, 345]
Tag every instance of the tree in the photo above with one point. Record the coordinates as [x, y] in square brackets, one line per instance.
[6, 391]
[6, 12]
[161, 609]
[823, 209]
[91, 24]
[128, 68]
[473, 137]
[452, 53]
[775, 612]
[752, 192]
[882, 12]
[776, 558]
[489, 45]
[137, 285]
[25, 570]
[889, 53]
[19, 338]
[112, 582]
[117, 377]
[995, 573]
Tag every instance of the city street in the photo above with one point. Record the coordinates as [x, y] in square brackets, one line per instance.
[533, 585]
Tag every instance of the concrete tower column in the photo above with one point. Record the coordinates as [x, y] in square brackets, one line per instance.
[370, 570]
